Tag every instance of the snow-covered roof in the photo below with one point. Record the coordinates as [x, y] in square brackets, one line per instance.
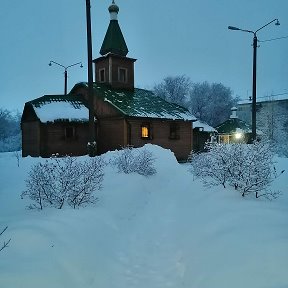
[234, 125]
[51, 108]
[61, 111]
[205, 126]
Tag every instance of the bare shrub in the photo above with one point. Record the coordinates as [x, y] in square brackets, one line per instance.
[38, 186]
[90, 175]
[130, 160]
[248, 168]
[64, 180]
[211, 167]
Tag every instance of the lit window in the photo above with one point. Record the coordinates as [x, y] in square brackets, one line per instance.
[102, 75]
[122, 75]
[145, 131]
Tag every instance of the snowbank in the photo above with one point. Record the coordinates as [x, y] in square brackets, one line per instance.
[160, 231]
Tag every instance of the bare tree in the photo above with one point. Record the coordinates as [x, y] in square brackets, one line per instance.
[211, 103]
[174, 89]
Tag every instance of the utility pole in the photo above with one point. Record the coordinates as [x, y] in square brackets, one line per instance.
[254, 85]
[92, 137]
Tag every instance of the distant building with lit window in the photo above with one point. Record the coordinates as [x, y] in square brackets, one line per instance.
[234, 130]
[124, 115]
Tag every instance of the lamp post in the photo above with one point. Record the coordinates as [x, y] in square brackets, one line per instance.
[65, 72]
[254, 78]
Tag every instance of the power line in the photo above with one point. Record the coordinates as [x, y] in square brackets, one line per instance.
[267, 96]
[273, 95]
[273, 39]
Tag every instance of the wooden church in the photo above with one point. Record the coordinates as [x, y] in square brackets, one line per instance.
[124, 115]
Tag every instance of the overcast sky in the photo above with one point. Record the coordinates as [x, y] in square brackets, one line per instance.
[168, 38]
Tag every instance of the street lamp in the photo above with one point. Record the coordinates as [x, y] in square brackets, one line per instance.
[65, 72]
[255, 40]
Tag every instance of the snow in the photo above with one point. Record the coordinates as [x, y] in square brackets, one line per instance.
[53, 111]
[166, 230]
[205, 126]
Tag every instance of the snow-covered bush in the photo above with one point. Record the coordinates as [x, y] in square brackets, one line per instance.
[247, 168]
[5, 243]
[252, 169]
[211, 166]
[64, 180]
[90, 175]
[130, 160]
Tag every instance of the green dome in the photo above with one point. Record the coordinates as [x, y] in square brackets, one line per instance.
[113, 8]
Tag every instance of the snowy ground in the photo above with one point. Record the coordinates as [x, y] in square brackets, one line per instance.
[163, 231]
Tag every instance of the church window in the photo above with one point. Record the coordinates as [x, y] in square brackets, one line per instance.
[174, 131]
[69, 133]
[145, 131]
[102, 75]
[122, 75]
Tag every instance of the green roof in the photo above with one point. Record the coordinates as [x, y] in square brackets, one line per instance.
[233, 125]
[74, 100]
[114, 41]
[139, 103]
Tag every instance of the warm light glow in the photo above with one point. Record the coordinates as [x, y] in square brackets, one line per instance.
[145, 132]
[238, 135]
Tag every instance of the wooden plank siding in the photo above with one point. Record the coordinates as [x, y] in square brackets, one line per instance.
[112, 134]
[54, 140]
[160, 130]
[30, 138]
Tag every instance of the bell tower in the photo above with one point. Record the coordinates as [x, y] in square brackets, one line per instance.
[114, 68]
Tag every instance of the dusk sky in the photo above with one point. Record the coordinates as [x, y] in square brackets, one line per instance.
[168, 38]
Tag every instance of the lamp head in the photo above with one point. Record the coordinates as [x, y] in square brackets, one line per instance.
[50, 64]
[277, 22]
[81, 66]
[233, 28]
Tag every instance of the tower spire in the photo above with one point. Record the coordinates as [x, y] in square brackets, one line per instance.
[114, 41]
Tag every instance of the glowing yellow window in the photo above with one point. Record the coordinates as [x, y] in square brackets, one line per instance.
[145, 131]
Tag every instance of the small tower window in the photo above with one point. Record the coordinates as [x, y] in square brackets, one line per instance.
[102, 75]
[122, 75]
